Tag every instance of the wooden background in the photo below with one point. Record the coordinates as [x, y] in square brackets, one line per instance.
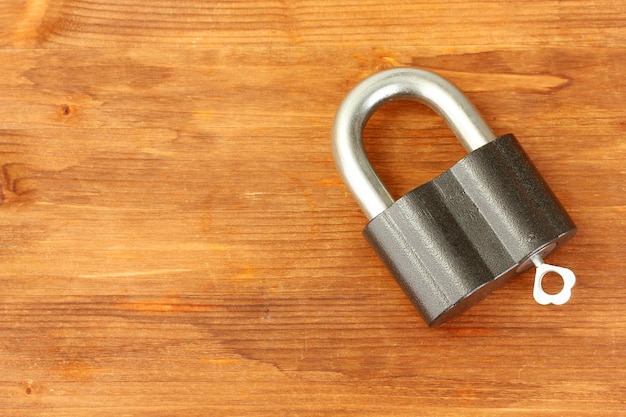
[176, 239]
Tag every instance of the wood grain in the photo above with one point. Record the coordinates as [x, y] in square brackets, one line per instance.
[176, 239]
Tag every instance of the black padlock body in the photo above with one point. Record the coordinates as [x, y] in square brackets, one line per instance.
[455, 239]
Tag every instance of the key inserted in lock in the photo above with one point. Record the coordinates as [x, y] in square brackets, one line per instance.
[568, 277]
[453, 240]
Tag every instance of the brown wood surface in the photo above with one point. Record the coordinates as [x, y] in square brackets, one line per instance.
[176, 239]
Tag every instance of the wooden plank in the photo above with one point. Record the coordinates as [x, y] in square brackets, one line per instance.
[177, 241]
[196, 23]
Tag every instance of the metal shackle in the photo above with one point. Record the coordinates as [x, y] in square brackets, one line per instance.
[400, 83]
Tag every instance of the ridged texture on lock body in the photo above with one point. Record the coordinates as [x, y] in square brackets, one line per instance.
[456, 238]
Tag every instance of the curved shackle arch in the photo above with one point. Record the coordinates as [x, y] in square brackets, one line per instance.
[400, 83]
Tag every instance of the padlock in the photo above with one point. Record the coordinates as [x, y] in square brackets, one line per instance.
[455, 239]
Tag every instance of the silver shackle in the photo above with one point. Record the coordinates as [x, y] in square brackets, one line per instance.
[400, 83]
